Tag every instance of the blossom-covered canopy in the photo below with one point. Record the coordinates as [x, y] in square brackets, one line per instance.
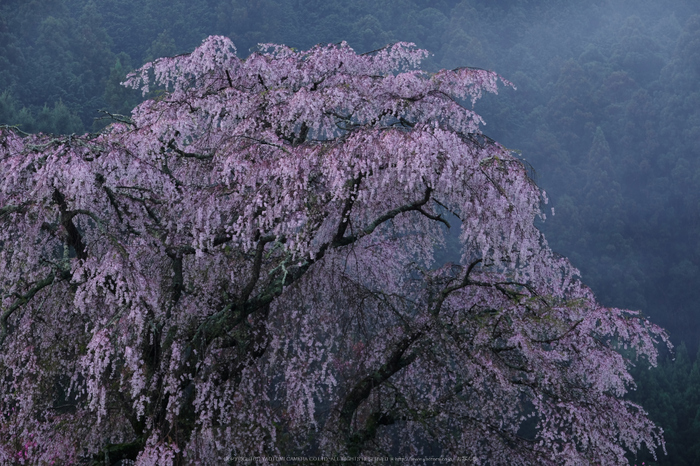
[247, 267]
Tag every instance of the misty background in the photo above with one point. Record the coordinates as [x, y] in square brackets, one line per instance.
[607, 112]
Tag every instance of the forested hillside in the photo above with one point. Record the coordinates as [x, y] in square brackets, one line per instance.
[606, 111]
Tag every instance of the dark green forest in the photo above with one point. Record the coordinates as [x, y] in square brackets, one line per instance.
[606, 111]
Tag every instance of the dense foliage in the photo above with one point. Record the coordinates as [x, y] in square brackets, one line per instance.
[247, 268]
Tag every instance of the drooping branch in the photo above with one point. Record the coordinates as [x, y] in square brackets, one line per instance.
[101, 226]
[110, 196]
[20, 301]
[11, 209]
[178, 280]
[558, 337]
[265, 143]
[437, 218]
[369, 229]
[14, 128]
[171, 145]
[73, 237]
[117, 117]
[257, 264]
[397, 360]
[347, 207]
[436, 305]
[301, 138]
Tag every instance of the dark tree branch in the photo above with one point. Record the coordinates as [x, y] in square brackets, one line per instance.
[369, 229]
[255, 273]
[557, 338]
[73, 237]
[345, 213]
[437, 304]
[117, 117]
[303, 133]
[361, 391]
[11, 209]
[437, 218]
[182, 153]
[22, 300]
[113, 202]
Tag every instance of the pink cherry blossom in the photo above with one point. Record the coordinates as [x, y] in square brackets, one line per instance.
[247, 268]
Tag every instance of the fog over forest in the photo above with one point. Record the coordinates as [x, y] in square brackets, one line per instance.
[606, 112]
